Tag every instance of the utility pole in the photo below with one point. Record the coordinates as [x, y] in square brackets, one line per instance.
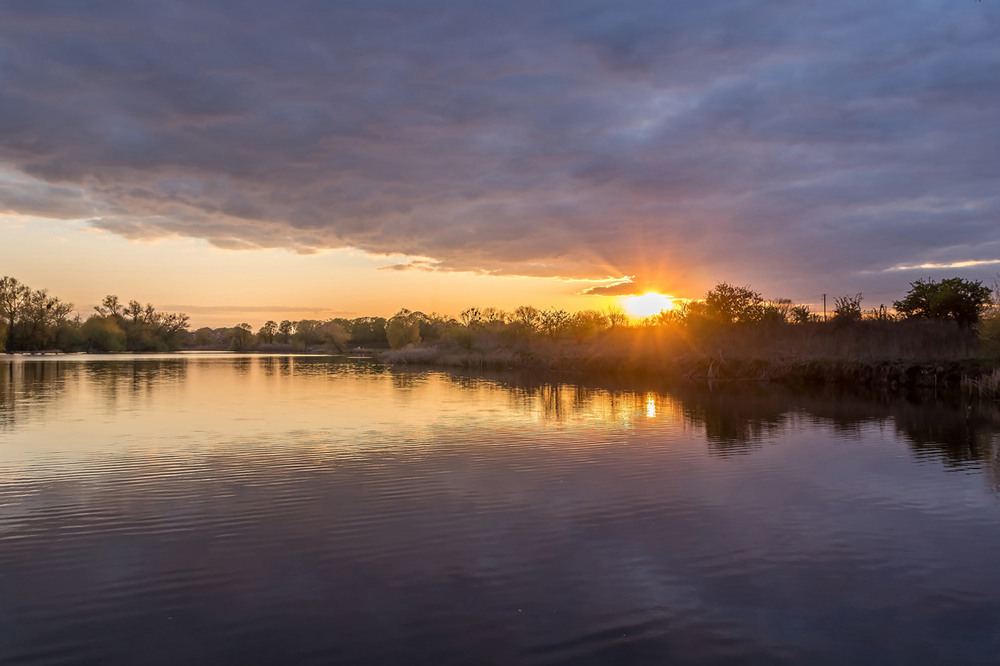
[824, 307]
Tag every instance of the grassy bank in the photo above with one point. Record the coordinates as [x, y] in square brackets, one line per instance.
[923, 355]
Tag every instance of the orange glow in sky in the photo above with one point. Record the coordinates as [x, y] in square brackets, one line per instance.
[218, 287]
[647, 305]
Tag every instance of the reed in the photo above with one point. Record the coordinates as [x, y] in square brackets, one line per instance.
[916, 354]
[986, 386]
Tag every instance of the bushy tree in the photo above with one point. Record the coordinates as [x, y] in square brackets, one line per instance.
[368, 330]
[103, 334]
[312, 333]
[205, 337]
[525, 320]
[776, 312]
[953, 298]
[240, 337]
[402, 329]
[553, 321]
[800, 314]
[308, 333]
[39, 319]
[333, 333]
[69, 335]
[145, 328]
[728, 304]
[32, 319]
[436, 326]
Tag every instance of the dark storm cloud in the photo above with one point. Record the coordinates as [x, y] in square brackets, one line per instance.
[800, 146]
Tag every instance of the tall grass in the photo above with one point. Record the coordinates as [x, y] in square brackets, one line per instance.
[986, 385]
[924, 353]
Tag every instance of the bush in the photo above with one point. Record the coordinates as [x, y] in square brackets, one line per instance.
[954, 298]
[847, 309]
[103, 334]
[727, 304]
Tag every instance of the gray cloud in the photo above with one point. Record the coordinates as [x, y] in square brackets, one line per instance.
[802, 148]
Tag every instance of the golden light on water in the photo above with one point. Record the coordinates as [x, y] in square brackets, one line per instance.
[647, 305]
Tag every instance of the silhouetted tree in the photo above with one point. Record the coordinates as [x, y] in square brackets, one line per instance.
[40, 315]
[553, 321]
[240, 337]
[800, 314]
[728, 304]
[954, 298]
[268, 331]
[31, 318]
[285, 330]
[145, 328]
[616, 316]
[777, 311]
[494, 317]
[308, 333]
[471, 317]
[847, 309]
[13, 297]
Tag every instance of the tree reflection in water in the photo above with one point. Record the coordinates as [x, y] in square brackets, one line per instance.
[738, 419]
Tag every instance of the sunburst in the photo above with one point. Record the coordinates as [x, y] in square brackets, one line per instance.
[647, 305]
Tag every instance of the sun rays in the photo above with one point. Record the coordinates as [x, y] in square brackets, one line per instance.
[646, 305]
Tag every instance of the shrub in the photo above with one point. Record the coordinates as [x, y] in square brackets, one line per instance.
[847, 309]
[728, 304]
[103, 334]
[954, 298]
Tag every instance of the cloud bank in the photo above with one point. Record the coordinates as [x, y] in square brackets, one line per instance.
[792, 145]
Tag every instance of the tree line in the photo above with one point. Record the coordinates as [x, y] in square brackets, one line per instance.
[33, 320]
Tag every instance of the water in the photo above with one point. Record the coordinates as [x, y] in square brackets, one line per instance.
[272, 510]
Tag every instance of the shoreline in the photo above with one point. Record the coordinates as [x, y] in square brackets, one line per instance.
[978, 375]
[882, 374]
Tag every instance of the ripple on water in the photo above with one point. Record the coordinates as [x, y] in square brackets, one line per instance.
[303, 512]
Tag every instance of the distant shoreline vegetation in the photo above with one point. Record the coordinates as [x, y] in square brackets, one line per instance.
[732, 332]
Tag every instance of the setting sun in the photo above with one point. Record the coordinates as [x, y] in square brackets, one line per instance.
[647, 305]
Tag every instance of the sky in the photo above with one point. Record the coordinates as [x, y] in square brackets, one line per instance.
[250, 159]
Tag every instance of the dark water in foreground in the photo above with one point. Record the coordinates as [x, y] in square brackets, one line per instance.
[279, 510]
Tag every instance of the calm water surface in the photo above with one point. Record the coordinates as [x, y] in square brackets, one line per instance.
[275, 510]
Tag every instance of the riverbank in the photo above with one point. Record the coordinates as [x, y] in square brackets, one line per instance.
[945, 375]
